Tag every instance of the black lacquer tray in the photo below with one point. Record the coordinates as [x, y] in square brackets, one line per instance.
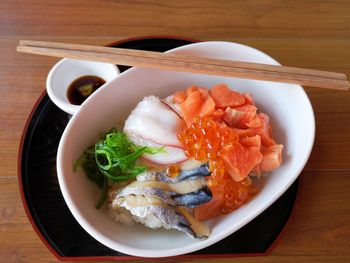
[55, 225]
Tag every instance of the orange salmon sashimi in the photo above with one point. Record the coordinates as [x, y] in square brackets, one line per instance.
[226, 97]
[249, 99]
[242, 117]
[225, 129]
[264, 131]
[240, 160]
[218, 115]
[272, 157]
[180, 96]
[228, 195]
[212, 208]
[254, 141]
[197, 104]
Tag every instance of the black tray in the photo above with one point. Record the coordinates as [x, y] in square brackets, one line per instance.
[55, 225]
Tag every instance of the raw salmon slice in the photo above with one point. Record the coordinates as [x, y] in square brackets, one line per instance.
[242, 117]
[212, 208]
[253, 141]
[225, 97]
[240, 160]
[197, 104]
[272, 158]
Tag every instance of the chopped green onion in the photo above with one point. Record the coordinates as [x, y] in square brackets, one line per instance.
[113, 159]
[103, 194]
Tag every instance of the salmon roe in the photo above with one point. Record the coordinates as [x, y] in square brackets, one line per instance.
[172, 171]
[207, 140]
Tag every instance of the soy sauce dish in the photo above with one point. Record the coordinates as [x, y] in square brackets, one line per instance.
[287, 105]
[71, 81]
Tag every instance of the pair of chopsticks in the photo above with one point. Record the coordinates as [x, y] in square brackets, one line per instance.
[177, 62]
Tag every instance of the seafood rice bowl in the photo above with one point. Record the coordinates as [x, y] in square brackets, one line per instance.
[162, 163]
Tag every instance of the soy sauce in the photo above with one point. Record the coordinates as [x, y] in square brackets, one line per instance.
[81, 88]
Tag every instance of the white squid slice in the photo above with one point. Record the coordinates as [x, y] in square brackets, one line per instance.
[170, 155]
[153, 120]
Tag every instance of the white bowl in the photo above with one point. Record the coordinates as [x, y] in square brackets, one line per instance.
[66, 71]
[287, 105]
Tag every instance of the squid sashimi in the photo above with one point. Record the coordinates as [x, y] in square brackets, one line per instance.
[153, 120]
[169, 154]
[154, 124]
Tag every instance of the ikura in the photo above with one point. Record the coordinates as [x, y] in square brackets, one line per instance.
[207, 140]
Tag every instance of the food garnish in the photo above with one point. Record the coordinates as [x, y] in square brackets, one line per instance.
[113, 158]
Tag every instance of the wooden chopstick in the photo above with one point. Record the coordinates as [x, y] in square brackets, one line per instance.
[178, 62]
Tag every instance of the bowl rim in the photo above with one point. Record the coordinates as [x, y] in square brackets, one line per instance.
[197, 245]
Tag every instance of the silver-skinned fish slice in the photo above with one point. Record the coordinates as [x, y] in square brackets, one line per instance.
[157, 200]
[154, 213]
[201, 171]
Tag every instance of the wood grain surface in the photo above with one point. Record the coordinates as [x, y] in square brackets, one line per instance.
[312, 34]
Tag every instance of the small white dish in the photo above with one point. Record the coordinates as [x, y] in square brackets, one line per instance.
[66, 71]
[287, 105]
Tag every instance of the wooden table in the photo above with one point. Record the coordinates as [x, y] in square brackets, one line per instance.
[314, 34]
